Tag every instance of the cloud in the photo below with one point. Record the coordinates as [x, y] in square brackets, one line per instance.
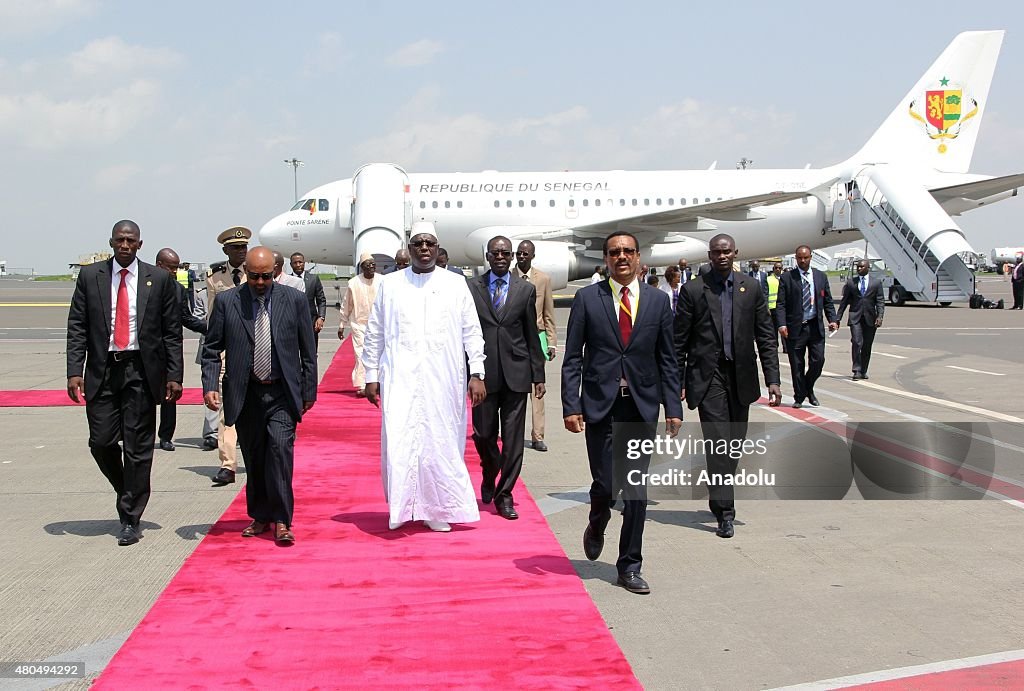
[112, 54]
[326, 56]
[416, 54]
[38, 121]
[114, 177]
[18, 18]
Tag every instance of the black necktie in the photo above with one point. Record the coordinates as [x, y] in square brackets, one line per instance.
[236, 276]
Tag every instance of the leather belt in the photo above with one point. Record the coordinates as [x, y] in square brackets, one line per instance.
[263, 382]
[122, 355]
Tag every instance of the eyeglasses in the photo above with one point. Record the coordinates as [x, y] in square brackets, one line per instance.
[619, 251]
[423, 243]
[522, 254]
[253, 276]
[500, 253]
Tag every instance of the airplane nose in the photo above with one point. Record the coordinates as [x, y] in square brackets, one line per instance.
[274, 232]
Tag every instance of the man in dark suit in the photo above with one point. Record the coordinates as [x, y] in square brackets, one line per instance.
[804, 301]
[1017, 284]
[264, 331]
[513, 367]
[619, 367]
[124, 336]
[314, 292]
[863, 295]
[168, 260]
[719, 319]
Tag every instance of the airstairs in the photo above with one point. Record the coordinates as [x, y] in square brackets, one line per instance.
[910, 231]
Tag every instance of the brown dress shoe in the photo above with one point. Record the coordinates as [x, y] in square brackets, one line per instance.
[254, 528]
[283, 535]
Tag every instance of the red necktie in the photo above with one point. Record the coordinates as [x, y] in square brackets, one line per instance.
[121, 316]
[625, 317]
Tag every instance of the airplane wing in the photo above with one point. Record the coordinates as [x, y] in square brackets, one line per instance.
[674, 220]
[976, 191]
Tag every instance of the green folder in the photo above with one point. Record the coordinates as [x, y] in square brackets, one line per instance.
[544, 344]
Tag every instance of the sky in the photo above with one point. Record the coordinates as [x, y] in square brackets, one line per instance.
[180, 115]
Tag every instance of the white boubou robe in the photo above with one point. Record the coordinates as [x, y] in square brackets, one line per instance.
[421, 330]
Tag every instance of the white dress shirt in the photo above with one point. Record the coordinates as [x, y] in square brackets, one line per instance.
[132, 282]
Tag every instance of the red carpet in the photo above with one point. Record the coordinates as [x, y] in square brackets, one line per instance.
[1001, 675]
[35, 398]
[354, 605]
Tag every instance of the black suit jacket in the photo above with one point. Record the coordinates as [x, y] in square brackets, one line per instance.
[188, 319]
[231, 332]
[699, 340]
[789, 310]
[866, 308]
[158, 327]
[511, 344]
[315, 295]
[595, 357]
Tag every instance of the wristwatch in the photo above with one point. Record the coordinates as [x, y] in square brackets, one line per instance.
[477, 375]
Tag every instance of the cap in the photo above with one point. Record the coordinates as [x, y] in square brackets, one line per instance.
[238, 235]
[365, 257]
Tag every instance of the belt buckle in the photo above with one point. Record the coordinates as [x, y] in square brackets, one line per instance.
[624, 392]
[122, 355]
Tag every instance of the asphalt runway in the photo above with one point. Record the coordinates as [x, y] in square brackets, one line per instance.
[808, 590]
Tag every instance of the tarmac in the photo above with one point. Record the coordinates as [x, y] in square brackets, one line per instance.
[818, 592]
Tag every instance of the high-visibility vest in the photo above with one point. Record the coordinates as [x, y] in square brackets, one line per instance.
[182, 277]
[773, 290]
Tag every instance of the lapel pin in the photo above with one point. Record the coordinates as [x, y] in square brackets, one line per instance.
[743, 289]
[149, 283]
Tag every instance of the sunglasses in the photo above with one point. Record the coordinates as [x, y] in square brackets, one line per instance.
[423, 243]
[619, 251]
[500, 253]
[253, 276]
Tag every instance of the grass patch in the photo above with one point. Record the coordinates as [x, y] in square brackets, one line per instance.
[54, 277]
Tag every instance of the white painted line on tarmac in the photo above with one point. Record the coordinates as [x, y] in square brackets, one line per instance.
[898, 357]
[901, 347]
[970, 334]
[976, 371]
[904, 672]
[937, 401]
[962, 328]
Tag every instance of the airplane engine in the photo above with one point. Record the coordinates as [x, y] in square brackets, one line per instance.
[558, 261]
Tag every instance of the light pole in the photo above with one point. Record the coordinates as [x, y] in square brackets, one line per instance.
[295, 163]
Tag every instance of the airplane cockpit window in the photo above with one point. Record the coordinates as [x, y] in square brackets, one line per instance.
[325, 205]
[299, 204]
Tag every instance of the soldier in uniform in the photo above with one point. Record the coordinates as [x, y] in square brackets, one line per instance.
[235, 242]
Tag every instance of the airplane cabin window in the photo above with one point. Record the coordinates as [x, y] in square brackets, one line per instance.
[572, 202]
[622, 202]
[497, 204]
[433, 204]
[634, 202]
[508, 203]
[658, 202]
[597, 202]
[671, 201]
[423, 205]
[696, 201]
[707, 199]
[682, 201]
[447, 205]
[647, 202]
[521, 203]
[551, 203]
[325, 205]
[458, 204]
[586, 202]
[533, 202]
[299, 204]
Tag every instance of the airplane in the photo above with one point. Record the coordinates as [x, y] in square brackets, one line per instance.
[898, 191]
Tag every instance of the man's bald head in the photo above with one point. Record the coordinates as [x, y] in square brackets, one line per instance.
[168, 260]
[259, 260]
[278, 264]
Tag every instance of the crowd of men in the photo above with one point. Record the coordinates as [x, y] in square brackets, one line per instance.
[425, 337]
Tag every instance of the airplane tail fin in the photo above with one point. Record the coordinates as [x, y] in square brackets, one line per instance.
[937, 123]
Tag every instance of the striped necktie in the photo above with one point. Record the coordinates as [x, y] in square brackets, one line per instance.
[261, 356]
[625, 317]
[498, 299]
[808, 304]
[863, 285]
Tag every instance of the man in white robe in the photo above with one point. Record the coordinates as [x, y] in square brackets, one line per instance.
[422, 328]
[355, 312]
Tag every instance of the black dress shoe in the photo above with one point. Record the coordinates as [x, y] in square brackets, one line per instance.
[166, 445]
[864, 376]
[813, 400]
[725, 529]
[632, 582]
[507, 510]
[798, 403]
[129, 535]
[540, 446]
[486, 493]
[593, 542]
[209, 444]
[856, 376]
[224, 477]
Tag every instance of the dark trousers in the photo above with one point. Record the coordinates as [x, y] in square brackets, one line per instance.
[1018, 294]
[806, 357]
[862, 337]
[168, 420]
[266, 433]
[609, 467]
[501, 412]
[722, 416]
[124, 411]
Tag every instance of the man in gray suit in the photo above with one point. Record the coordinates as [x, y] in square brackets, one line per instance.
[863, 295]
[263, 329]
[514, 365]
